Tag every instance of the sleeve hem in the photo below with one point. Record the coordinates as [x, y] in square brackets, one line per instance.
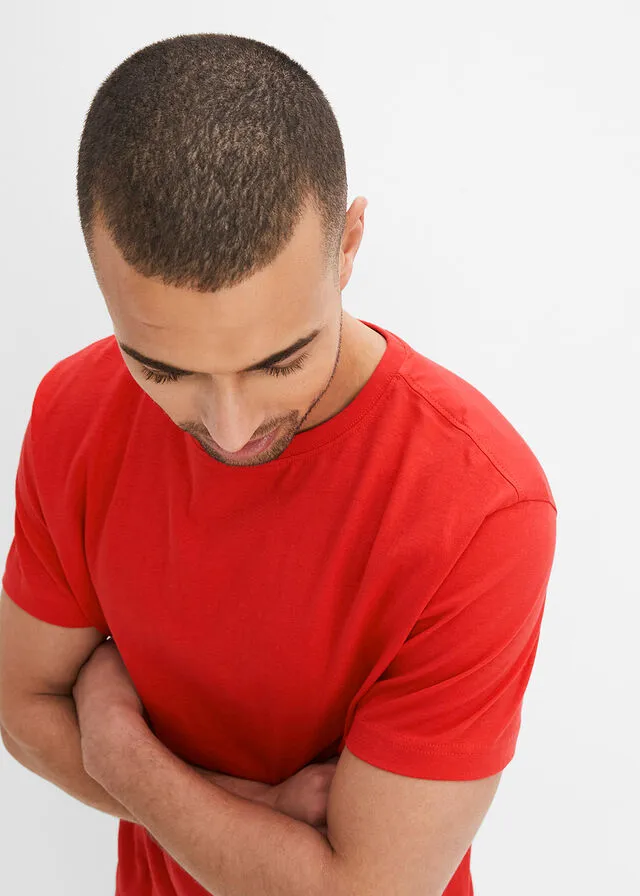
[44, 614]
[438, 761]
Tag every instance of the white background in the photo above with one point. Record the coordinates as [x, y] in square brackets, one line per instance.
[498, 144]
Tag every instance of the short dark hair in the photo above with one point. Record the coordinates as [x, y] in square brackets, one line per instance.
[200, 154]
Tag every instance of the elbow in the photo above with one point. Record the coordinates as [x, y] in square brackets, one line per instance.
[10, 745]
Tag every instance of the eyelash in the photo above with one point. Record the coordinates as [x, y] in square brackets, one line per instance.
[272, 371]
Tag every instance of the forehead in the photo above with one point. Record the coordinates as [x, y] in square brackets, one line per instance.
[222, 331]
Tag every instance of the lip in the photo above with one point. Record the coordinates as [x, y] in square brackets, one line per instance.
[251, 449]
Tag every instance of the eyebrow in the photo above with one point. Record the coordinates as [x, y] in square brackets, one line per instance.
[260, 365]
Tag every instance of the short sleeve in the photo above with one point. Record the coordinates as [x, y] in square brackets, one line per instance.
[448, 706]
[34, 575]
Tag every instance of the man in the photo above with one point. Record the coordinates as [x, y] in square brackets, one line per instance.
[304, 537]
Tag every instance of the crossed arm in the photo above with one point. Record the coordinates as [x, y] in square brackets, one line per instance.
[385, 832]
[232, 846]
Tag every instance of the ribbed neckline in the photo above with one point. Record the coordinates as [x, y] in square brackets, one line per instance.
[314, 438]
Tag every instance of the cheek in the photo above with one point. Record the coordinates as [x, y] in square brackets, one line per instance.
[175, 399]
[296, 391]
[178, 403]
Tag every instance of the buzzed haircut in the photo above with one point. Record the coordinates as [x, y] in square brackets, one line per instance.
[200, 153]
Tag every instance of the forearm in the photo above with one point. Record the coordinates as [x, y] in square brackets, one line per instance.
[49, 746]
[228, 845]
[47, 742]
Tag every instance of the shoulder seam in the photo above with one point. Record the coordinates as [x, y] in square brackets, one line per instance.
[522, 501]
[474, 438]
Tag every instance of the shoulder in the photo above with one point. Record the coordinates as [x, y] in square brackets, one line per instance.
[75, 405]
[77, 378]
[470, 435]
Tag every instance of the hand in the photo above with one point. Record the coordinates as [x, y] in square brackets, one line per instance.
[305, 795]
[103, 685]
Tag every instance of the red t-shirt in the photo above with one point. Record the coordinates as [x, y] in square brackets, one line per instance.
[381, 584]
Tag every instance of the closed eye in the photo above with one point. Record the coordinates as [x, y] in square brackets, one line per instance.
[156, 377]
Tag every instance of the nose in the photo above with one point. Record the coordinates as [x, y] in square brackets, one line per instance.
[234, 436]
[231, 419]
[232, 448]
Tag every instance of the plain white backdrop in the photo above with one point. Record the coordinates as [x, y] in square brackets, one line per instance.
[498, 144]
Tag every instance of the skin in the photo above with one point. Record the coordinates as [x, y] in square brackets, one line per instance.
[219, 334]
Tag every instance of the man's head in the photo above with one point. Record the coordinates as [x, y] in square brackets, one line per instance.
[212, 193]
[213, 339]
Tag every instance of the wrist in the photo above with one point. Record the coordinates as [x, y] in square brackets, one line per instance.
[256, 791]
